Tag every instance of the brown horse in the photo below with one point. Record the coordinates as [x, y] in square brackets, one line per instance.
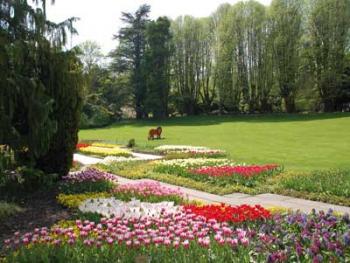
[154, 133]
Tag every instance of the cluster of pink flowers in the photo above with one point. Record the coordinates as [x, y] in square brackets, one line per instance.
[171, 230]
[148, 188]
[89, 175]
[245, 171]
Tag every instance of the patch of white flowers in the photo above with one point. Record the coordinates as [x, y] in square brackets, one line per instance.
[179, 148]
[112, 159]
[110, 207]
[194, 162]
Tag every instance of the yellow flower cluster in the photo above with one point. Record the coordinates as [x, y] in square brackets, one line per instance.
[102, 151]
[73, 201]
[104, 145]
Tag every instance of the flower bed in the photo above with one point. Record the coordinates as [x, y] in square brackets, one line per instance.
[113, 159]
[89, 175]
[227, 213]
[320, 237]
[147, 188]
[148, 191]
[104, 145]
[88, 180]
[245, 171]
[112, 207]
[102, 151]
[192, 163]
[220, 172]
[82, 145]
[178, 148]
[184, 152]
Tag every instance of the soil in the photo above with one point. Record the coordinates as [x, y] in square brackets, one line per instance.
[40, 209]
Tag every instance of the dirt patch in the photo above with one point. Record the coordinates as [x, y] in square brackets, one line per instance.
[40, 209]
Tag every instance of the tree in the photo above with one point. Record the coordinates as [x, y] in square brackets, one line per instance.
[186, 64]
[157, 66]
[129, 54]
[40, 87]
[91, 55]
[328, 28]
[286, 19]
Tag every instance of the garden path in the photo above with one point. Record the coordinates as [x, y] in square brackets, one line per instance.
[266, 200]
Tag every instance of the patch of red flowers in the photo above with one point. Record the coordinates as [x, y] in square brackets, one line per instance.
[82, 145]
[246, 171]
[227, 213]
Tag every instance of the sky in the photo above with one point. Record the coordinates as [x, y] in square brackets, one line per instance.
[100, 19]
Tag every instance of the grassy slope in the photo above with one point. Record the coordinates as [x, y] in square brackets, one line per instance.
[301, 142]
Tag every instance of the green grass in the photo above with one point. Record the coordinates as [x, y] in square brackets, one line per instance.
[299, 142]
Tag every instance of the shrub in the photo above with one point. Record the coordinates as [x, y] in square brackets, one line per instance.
[131, 143]
[25, 180]
[8, 209]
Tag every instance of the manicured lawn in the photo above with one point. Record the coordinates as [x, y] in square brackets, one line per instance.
[300, 142]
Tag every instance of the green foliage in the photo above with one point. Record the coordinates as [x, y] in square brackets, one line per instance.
[41, 84]
[8, 209]
[86, 187]
[286, 22]
[6, 159]
[328, 29]
[131, 143]
[332, 182]
[123, 254]
[128, 58]
[157, 66]
[232, 180]
[25, 180]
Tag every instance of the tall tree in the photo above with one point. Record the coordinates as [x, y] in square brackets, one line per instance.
[286, 16]
[129, 54]
[157, 66]
[192, 63]
[40, 87]
[328, 28]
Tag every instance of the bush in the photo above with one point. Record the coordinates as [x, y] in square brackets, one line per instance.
[26, 180]
[131, 143]
[8, 209]
[6, 158]
[95, 116]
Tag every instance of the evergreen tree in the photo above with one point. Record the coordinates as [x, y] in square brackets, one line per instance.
[157, 66]
[129, 55]
[39, 96]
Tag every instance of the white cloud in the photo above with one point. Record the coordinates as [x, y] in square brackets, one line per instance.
[99, 20]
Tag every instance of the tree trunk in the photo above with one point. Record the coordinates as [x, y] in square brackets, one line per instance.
[289, 103]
